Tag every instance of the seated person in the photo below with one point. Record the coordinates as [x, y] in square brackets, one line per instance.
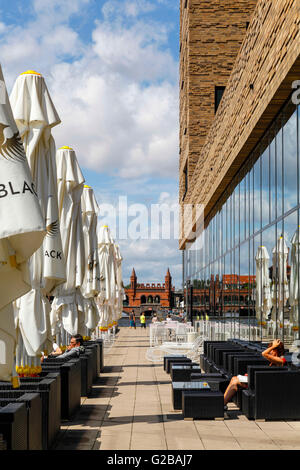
[74, 349]
[274, 354]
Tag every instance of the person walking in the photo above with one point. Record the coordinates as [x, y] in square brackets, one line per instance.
[143, 320]
[132, 320]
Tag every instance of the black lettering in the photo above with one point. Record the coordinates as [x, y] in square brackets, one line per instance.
[51, 253]
[12, 189]
[3, 190]
[58, 255]
[33, 189]
[26, 187]
[47, 254]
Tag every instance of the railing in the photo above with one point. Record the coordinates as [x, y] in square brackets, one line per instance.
[248, 328]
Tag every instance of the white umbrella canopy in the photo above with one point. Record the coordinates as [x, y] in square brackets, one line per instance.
[280, 288]
[22, 229]
[294, 277]
[120, 291]
[67, 306]
[263, 301]
[91, 282]
[106, 298]
[35, 116]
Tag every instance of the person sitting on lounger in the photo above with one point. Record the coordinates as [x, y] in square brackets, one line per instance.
[74, 349]
[274, 354]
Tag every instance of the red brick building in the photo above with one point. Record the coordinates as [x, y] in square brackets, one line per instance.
[148, 298]
[235, 295]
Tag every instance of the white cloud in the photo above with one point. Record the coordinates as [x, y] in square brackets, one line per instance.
[117, 97]
[130, 8]
[151, 259]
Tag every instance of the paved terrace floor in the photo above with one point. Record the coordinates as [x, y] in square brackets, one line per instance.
[130, 409]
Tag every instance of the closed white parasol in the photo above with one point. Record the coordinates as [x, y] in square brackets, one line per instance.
[294, 278]
[67, 306]
[22, 228]
[106, 298]
[280, 288]
[263, 301]
[35, 116]
[120, 291]
[91, 282]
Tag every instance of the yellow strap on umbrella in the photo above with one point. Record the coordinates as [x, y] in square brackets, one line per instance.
[31, 72]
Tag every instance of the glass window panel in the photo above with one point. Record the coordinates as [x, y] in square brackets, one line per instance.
[291, 231]
[256, 195]
[278, 284]
[242, 216]
[236, 214]
[272, 151]
[226, 284]
[250, 198]
[279, 179]
[265, 185]
[237, 292]
[254, 335]
[298, 151]
[265, 285]
[290, 162]
[245, 289]
[214, 238]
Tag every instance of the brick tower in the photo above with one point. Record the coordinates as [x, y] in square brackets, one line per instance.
[133, 280]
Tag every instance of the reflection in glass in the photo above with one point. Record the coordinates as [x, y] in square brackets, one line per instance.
[256, 195]
[290, 162]
[278, 172]
[272, 176]
[263, 200]
[265, 189]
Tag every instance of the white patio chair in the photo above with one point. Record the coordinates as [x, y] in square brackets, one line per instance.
[191, 350]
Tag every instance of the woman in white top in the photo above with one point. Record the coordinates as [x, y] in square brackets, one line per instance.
[154, 318]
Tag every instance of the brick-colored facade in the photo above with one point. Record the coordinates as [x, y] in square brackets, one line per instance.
[233, 295]
[211, 34]
[259, 84]
[148, 297]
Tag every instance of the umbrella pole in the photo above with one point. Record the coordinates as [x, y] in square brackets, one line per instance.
[18, 353]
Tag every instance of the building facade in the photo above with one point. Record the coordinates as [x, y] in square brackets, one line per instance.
[148, 298]
[246, 177]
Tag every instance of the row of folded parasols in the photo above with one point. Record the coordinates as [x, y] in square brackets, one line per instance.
[274, 292]
[58, 277]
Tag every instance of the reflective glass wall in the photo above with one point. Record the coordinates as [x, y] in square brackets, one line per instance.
[245, 266]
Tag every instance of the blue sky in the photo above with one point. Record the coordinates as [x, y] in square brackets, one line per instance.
[111, 67]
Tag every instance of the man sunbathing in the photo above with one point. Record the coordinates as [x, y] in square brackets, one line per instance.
[74, 349]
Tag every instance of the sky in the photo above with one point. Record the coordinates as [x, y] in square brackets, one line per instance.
[111, 67]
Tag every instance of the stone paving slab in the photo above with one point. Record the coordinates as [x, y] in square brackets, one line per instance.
[130, 408]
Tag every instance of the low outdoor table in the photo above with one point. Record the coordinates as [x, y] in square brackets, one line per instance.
[202, 404]
[166, 358]
[217, 382]
[182, 373]
[179, 387]
[178, 360]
